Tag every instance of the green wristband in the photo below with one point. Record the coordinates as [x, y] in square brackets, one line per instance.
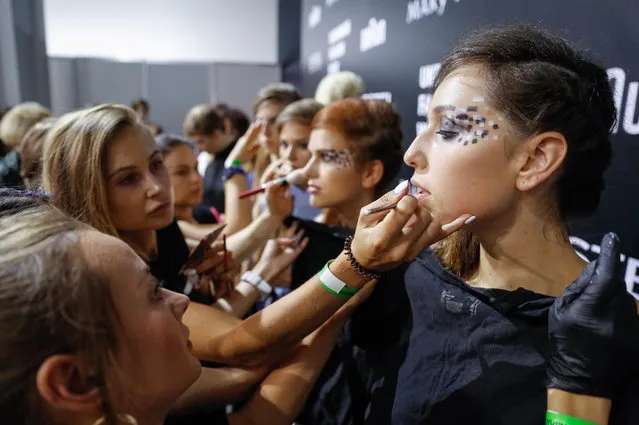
[236, 163]
[334, 285]
[554, 418]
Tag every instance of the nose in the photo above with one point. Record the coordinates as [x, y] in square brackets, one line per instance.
[414, 156]
[195, 177]
[178, 303]
[154, 186]
[289, 153]
[311, 168]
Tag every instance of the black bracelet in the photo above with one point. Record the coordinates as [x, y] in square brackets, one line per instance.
[368, 274]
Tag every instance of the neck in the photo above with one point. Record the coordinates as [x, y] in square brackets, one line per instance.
[529, 252]
[348, 212]
[144, 242]
[184, 213]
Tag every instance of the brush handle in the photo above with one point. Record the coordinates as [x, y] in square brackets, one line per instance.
[261, 188]
[252, 192]
[370, 211]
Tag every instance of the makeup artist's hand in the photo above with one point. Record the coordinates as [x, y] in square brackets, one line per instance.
[593, 329]
[280, 253]
[388, 238]
[274, 170]
[279, 201]
[247, 145]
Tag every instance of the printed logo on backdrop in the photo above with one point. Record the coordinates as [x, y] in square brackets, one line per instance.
[382, 95]
[416, 10]
[337, 45]
[329, 3]
[426, 79]
[314, 16]
[626, 111]
[590, 252]
[373, 35]
[314, 62]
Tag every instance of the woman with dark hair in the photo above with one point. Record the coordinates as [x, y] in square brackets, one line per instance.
[519, 136]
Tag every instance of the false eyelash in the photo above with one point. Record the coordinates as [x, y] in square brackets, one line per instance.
[447, 134]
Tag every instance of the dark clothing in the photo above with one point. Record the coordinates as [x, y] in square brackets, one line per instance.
[10, 170]
[473, 355]
[207, 417]
[213, 194]
[325, 243]
[172, 254]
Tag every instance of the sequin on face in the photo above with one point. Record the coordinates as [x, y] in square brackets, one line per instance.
[340, 159]
[458, 120]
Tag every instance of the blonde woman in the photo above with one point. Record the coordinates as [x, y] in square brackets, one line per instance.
[89, 336]
[103, 168]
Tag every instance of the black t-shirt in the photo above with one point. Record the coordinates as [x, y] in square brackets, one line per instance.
[471, 356]
[172, 254]
[325, 243]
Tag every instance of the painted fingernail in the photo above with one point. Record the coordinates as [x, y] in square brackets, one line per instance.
[470, 220]
[401, 187]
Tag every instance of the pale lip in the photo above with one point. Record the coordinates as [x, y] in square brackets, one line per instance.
[160, 208]
[312, 189]
[421, 192]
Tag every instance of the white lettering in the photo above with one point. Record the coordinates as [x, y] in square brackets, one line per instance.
[420, 127]
[427, 75]
[618, 76]
[334, 66]
[314, 62]
[314, 16]
[419, 9]
[631, 126]
[329, 3]
[632, 276]
[423, 103]
[582, 248]
[337, 51]
[383, 95]
[373, 35]
[340, 32]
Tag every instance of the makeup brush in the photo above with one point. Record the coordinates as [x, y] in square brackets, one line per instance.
[294, 177]
[370, 211]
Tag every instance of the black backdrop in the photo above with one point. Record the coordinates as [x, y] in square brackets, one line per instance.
[396, 45]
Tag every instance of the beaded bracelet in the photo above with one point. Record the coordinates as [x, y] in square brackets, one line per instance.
[368, 274]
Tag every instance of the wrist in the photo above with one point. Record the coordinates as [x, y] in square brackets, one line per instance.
[584, 407]
[343, 270]
[262, 268]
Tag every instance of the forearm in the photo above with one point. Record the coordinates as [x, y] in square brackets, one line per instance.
[196, 232]
[253, 237]
[220, 386]
[282, 394]
[243, 297]
[592, 409]
[285, 322]
[237, 211]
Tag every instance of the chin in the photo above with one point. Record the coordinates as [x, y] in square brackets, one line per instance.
[164, 221]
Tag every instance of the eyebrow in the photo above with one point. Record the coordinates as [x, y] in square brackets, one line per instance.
[131, 167]
[441, 108]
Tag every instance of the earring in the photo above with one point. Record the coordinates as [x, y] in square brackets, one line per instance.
[126, 419]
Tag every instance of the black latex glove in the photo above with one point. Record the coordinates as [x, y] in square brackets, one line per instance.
[594, 329]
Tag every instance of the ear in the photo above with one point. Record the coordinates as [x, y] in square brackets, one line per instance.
[541, 157]
[372, 173]
[65, 384]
